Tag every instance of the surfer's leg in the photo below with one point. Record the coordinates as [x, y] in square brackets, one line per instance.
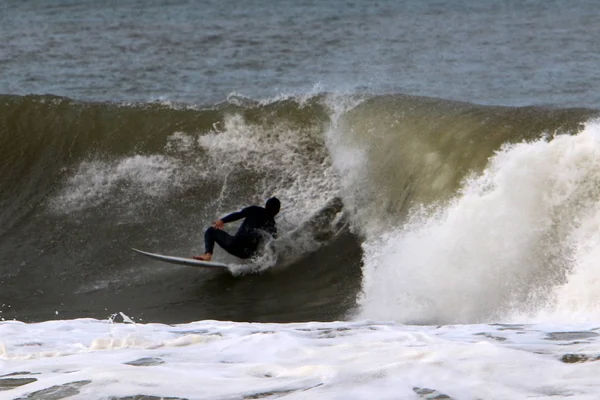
[223, 239]
[243, 246]
[232, 244]
[212, 236]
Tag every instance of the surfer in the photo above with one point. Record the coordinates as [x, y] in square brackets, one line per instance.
[259, 223]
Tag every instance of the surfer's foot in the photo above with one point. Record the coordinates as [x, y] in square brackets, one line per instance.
[204, 257]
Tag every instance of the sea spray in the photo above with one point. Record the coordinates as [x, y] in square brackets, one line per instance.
[505, 246]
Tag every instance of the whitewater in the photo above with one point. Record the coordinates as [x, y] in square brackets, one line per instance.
[84, 359]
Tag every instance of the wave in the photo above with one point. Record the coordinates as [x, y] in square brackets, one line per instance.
[83, 181]
[472, 213]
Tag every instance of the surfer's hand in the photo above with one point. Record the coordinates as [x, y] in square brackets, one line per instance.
[218, 224]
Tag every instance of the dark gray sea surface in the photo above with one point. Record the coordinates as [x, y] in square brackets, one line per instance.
[489, 52]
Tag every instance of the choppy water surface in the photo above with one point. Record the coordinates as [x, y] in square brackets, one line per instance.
[511, 53]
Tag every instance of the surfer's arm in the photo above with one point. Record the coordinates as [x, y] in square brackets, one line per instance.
[218, 224]
[232, 217]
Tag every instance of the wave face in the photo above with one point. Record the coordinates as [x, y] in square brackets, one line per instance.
[472, 213]
[452, 212]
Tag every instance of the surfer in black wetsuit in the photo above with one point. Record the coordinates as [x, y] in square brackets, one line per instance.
[259, 224]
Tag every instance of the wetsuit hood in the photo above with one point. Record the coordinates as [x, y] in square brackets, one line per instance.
[272, 206]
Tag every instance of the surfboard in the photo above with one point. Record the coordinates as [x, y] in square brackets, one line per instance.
[183, 260]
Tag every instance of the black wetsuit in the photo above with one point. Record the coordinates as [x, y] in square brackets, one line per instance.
[258, 224]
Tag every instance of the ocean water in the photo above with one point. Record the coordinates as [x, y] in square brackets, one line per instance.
[437, 163]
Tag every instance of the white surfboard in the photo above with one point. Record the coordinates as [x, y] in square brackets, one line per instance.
[183, 260]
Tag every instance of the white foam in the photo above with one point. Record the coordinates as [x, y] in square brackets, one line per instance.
[518, 241]
[95, 181]
[283, 160]
[349, 159]
[354, 360]
[293, 165]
